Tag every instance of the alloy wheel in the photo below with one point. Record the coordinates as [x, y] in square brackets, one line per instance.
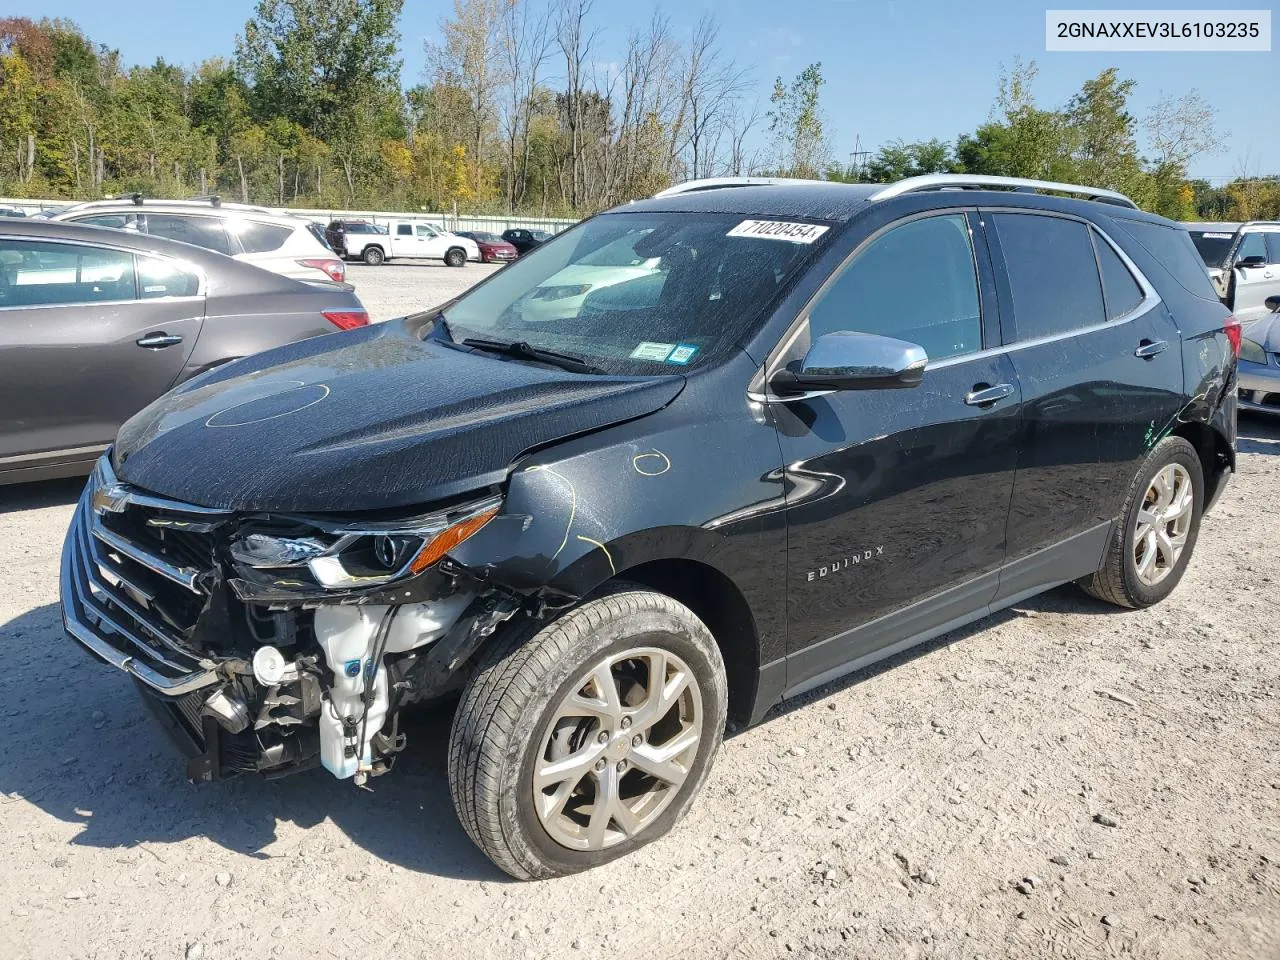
[617, 749]
[1163, 522]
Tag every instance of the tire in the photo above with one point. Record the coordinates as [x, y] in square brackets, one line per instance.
[373, 256]
[455, 257]
[511, 718]
[1120, 580]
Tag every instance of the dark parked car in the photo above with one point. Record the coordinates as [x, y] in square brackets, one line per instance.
[493, 249]
[818, 424]
[96, 323]
[525, 240]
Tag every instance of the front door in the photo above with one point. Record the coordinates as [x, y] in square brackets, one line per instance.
[88, 337]
[897, 499]
[430, 242]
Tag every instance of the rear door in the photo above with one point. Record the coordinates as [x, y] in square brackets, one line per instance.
[89, 335]
[1099, 360]
[1253, 284]
[207, 232]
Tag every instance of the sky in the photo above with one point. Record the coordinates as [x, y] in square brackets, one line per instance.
[894, 68]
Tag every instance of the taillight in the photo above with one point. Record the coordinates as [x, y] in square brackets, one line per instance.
[335, 269]
[1232, 329]
[346, 319]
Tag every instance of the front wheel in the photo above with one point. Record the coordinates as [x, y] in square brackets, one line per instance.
[581, 741]
[455, 257]
[1152, 541]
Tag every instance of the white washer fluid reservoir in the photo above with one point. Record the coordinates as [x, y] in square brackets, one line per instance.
[346, 635]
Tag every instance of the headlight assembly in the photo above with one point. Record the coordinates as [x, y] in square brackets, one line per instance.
[1252, 351]
[346, 556]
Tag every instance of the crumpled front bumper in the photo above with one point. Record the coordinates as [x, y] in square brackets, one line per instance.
[101, 616]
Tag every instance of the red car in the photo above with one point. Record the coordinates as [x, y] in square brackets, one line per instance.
[493, 249]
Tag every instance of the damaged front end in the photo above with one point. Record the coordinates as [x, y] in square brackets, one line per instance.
[271, 642]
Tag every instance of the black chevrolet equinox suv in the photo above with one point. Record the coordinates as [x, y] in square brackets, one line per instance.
[690, 458]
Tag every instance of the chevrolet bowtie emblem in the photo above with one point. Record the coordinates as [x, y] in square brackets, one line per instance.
[110, 499]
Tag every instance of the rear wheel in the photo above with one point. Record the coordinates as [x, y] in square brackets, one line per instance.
[455, 257]
[579, 742]
[374, 256]
[1153, 540]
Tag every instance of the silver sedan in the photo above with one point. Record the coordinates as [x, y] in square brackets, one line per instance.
[1259, 367]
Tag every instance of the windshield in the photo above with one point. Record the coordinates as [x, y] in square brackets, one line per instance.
[635, 293]
[1212, 246]
[483, 237]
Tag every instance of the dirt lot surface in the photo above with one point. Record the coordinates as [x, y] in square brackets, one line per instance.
[403, 286]
[1061, 780]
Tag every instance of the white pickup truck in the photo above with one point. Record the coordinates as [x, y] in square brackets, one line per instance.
[411, 239]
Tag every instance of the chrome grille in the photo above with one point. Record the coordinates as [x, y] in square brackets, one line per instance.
[131, 592]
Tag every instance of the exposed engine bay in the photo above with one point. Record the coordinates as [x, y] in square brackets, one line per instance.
[275, 643]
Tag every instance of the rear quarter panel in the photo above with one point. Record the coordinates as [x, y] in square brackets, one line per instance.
[1208, 361]
[242, 325]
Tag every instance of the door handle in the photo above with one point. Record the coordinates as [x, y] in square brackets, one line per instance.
[1149, 348]
[983, 396]
[156, 341]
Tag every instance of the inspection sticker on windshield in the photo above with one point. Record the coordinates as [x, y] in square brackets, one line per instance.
[778, 230]
[683, 353]
[653, 351]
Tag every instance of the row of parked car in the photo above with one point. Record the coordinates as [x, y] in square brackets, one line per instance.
[376, 243]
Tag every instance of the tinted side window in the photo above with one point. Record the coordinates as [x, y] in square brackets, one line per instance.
[1252, 245]
[261, 237]
[117, 221]
[163, 278]
[404, 230]
[917, 283]
[1273, 247]
[1053, 276]
[34, 273]
[204, 232]
[1172, 246]
[1121, 290]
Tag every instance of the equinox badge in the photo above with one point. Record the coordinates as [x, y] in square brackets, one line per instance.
[844, 563]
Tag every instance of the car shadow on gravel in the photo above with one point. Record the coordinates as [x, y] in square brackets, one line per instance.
[82, 748]
[35, 496]
[1067, 599]
[1258, 434]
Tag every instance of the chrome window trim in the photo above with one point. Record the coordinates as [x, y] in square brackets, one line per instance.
[1150, 299]
[201, 291]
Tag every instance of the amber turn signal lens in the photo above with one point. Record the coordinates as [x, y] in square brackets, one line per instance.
[446, 540]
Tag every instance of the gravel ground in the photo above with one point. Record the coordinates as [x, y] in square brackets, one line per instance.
[1061, 780]
[401, 287]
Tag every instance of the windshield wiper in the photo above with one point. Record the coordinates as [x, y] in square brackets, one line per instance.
[522, 350]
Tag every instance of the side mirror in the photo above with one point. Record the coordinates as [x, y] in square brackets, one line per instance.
[1254, 261]
[1273, 304]
[853, 361]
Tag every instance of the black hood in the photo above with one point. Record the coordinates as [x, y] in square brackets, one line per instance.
[365, 420]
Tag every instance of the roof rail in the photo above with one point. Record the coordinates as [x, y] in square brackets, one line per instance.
[967, 181]
[212, 198]
[717, 183]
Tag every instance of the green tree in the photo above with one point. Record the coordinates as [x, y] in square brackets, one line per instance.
[795, 120]
[898, 160]
[305, 60]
